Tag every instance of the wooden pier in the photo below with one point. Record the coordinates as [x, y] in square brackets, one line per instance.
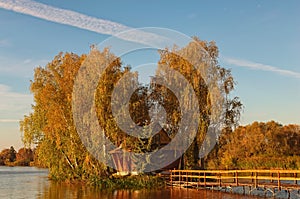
[268, 180]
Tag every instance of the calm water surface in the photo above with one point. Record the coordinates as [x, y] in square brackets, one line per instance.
[29, 182]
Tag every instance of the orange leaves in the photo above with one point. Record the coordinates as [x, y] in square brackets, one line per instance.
[259, 141]
[50, 125]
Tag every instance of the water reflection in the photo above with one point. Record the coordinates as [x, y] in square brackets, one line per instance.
[62, 190]
[32, 183]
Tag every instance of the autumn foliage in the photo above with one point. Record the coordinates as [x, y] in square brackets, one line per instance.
[258, 146]
[10, 157]
[50, 125]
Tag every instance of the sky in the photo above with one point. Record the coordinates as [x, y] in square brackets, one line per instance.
[258, 40]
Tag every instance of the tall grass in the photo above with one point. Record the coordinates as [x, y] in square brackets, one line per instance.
[128, 182]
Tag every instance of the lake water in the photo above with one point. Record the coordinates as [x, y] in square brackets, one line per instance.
[29, 182]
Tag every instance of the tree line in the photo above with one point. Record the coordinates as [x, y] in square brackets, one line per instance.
[259, 145]
[11, 157]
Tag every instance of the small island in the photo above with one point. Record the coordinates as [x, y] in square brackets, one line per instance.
[52, 126]
[10, 157]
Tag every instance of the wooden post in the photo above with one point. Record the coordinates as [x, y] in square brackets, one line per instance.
[171, 178]
[278, 179]
[236, 178]
[295, 181]
[271, 175]
[220, 180]
[204, 179]
[255, 184]
[179, 179]
[198, 180]
[186, 179]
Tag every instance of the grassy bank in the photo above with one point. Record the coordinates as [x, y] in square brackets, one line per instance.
[128, 182]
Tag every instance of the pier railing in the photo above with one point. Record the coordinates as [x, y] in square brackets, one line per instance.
[288, 179]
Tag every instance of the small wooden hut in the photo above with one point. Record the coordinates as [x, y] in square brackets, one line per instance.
[125, 163]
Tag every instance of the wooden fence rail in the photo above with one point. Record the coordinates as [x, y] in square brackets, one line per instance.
[287, 179]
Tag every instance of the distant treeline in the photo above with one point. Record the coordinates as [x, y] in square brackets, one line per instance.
[258, 146]
[10, 157]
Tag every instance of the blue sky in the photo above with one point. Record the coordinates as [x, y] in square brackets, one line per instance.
[258, 40]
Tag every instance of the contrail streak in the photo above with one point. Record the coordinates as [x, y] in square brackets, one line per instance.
[63, 16]
[259, 66]
[68, 17]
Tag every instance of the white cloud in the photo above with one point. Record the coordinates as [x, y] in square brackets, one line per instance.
[4, 43]
[192, 16]
[259, 66]
[3, 88]
[27, 61]
[13, 105]
[79, 20]
[8, 120]
[20, 67]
